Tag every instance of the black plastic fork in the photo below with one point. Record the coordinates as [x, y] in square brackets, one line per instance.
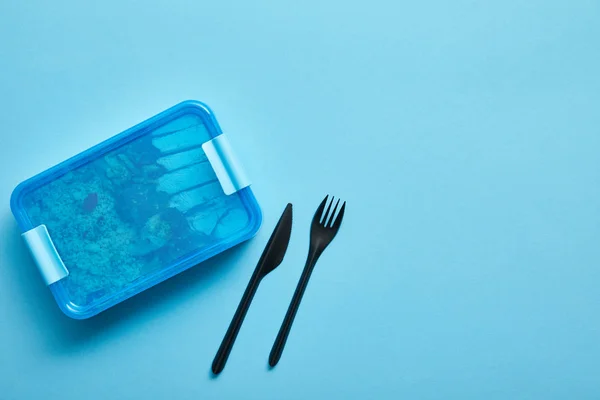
[323, 229]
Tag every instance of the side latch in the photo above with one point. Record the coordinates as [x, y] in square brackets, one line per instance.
[45, 255]
[226, 165]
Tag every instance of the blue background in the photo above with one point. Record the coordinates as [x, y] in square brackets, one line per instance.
[464, 136]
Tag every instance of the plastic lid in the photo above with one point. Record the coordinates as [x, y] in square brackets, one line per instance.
[136, 209]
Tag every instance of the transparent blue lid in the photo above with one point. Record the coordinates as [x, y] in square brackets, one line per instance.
[136, 209]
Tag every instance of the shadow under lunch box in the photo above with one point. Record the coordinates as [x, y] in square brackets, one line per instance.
[136, 209]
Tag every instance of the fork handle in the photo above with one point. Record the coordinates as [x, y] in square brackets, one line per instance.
[286, 326]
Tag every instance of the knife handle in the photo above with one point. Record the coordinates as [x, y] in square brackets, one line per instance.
[235, 325]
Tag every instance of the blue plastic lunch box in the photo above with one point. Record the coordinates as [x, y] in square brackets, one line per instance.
[136, 209]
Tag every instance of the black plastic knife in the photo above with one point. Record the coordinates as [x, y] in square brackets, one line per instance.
[270, 259]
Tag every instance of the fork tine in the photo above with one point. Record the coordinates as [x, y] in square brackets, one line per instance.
[329, 222]
[326, 215]
[338, 220]
[319, 212]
